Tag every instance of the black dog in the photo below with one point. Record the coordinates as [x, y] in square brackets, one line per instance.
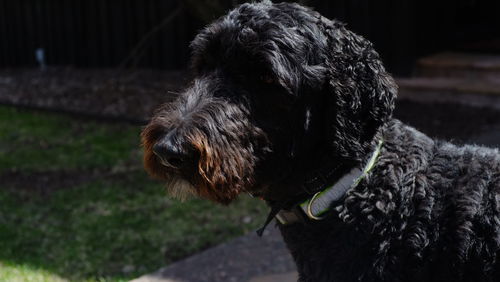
[294, 108]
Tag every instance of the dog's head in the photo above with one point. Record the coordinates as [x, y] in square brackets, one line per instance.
[276, 86]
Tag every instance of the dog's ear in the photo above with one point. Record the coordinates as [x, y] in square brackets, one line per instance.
[279, 69]
[361, 93]
[285, 73]
[288, 61]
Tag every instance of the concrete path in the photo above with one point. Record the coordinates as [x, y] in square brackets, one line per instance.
[248, 258]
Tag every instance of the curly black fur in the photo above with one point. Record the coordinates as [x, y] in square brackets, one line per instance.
[427, 212]
[281, 91]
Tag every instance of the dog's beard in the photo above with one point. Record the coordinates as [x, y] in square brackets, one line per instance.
[180, 189]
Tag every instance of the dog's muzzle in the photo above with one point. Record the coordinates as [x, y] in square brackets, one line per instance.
[173, 151]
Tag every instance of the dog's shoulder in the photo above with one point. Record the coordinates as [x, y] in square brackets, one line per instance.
[402, 141]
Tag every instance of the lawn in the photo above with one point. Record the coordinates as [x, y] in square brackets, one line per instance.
[76, 205]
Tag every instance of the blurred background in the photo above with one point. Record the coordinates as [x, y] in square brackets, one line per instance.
[79, 79]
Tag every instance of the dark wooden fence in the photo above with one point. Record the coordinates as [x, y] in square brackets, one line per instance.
[105, 33]
[93, 33]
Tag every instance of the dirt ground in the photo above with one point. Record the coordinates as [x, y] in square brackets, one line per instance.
[132, 95]
[117, 94]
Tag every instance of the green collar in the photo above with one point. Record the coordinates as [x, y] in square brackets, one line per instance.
[321, 202]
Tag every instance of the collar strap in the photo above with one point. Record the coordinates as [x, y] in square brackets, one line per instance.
[321, 202]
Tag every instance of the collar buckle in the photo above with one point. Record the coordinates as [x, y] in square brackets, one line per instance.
[286, 217]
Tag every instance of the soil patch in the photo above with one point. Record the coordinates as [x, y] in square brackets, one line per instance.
[135, 94]
[124, 94]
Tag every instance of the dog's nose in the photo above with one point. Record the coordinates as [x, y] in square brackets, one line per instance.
[173, 151]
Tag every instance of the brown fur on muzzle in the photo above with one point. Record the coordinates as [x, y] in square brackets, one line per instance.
[221, 135]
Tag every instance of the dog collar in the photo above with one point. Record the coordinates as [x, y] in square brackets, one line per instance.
[320, 203]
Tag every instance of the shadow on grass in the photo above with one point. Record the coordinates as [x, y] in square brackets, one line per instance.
[113, 228]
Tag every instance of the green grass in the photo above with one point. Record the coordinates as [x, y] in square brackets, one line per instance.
[40, 140]
[111, 227]
[22, 273]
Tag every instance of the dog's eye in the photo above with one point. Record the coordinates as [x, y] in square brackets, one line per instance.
[268, 79]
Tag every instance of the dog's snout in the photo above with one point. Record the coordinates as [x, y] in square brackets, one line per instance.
[173, 151]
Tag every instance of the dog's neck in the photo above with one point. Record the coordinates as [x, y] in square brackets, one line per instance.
[314, 208]
[300, 186]
[323, 186]
[304, 178]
